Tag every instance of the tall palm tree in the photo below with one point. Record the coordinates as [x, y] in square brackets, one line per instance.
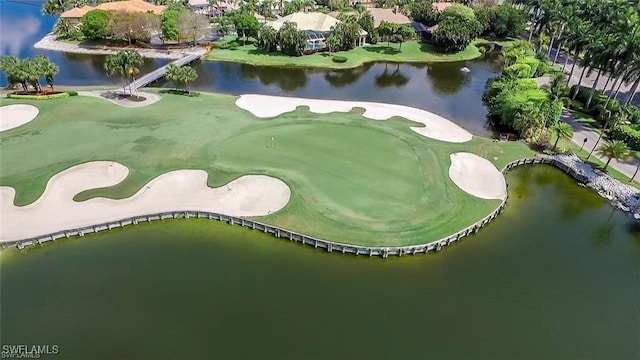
[124, 64]
[561, 130]
[614, 149]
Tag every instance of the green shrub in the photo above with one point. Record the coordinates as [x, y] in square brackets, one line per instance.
[551, 110]
[518, 70]
[37, 97]
[94, 24]
[543, 68]
[72, 93]
[533, 64]
[629, 134]
[339, 59]
[634, 113]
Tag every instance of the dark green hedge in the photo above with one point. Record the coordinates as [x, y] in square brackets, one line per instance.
[339, 59]
[628, 134]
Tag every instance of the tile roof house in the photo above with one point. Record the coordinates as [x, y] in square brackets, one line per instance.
[316, 24]
[393, 16]
[132, 6]
[75, 15]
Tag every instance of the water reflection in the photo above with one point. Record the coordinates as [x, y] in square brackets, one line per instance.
[342, 78]
[393, 78]
[287, 79]
[18, 34]
[447, 79]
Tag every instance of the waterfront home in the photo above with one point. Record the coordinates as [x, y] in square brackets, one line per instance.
[132, 6]
[75, 14]
[394, 16]
[317, 26]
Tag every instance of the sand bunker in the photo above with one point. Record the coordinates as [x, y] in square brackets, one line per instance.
[181, 190]
[477, 176]
[12, 116]
[435, 126]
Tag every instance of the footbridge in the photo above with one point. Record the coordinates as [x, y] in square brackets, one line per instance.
[161, 71]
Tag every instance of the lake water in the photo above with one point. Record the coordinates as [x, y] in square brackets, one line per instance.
[556, 276]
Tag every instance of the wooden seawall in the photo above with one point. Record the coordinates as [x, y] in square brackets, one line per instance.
[330, 246]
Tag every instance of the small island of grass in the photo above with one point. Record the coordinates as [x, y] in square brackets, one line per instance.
[412, 51]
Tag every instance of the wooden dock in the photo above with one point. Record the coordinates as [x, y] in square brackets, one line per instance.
[160, 72]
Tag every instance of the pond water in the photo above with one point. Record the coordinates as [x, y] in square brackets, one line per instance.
[556, 276]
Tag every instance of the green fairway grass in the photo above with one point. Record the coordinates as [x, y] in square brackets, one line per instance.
[352, 179]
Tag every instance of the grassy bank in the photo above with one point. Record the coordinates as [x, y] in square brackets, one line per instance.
[412, 51]
[352, 179]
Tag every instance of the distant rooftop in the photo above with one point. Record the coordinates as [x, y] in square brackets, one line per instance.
[440, 6]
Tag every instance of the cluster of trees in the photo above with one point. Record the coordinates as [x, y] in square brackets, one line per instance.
[181, 76]
[514, 99]
[176, 23]
[57, 7]
[603, 34]
[501, 20]
[119, 25]
[457, 27]
[460, 24]
[290, 40]
[125, 65]
[400, 33]
[28, 71]
[183, 24]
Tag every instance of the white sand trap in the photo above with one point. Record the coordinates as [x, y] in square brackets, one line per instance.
[12, 116]
[181, 190]
[477, 176]
[435, 126]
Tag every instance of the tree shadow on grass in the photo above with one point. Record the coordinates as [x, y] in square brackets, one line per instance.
[431, 49]
[382, 49]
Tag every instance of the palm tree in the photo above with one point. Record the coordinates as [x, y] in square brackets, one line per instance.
[124, 64]
[614, 149]
[181, 76]
[47, 69]
[561, 130]
[558, 88]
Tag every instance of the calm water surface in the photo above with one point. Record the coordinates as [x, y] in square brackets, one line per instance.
[557, 276]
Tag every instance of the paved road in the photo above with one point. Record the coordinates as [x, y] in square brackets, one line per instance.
[580, 132]
[625, 90]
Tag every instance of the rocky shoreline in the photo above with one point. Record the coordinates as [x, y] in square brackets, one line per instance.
[50, 43]
[622, 196]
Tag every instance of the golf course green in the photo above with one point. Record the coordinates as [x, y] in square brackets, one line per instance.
[352, 179]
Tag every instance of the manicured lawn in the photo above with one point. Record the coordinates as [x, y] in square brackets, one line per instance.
[412, 51]
[352, 179]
